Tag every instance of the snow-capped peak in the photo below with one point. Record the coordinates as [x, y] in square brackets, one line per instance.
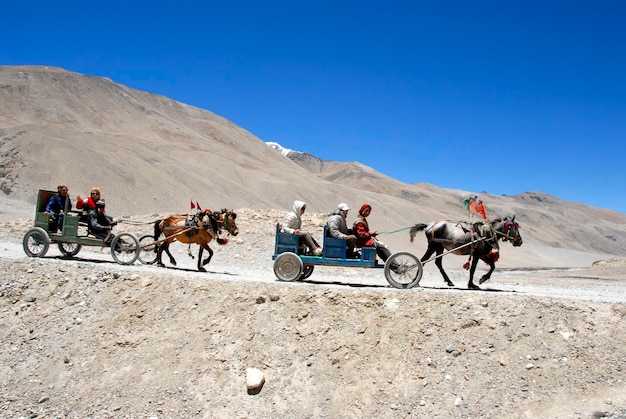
[284, 151]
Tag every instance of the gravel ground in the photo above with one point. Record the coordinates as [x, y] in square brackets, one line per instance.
[86, 337]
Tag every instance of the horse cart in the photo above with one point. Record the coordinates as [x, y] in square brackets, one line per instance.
[291, 262]
[72, 235]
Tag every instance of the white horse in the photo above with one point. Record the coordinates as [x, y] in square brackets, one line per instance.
[479, 240]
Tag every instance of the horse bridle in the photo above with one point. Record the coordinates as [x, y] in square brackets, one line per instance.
[506, 228]
[220, 224]
[226, 217]
[217, 225]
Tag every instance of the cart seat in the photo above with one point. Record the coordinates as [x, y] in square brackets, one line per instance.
[334, 248]
[286, 242]
[42, 219]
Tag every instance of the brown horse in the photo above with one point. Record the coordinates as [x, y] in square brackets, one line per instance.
[200, 229]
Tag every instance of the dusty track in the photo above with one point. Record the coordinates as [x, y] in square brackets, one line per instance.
[88, 337]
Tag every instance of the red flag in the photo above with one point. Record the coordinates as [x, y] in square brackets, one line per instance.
[198, 205]
[480, 208]
[192, 205]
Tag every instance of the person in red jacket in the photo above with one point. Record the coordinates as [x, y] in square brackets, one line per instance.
[365, 238]
[89, 203]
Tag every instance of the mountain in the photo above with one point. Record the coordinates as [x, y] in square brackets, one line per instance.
[356, 175]
[150, 154]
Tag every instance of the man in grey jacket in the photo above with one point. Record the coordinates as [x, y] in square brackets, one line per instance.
[337, 227]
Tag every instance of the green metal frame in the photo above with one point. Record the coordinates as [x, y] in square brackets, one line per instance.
[71, 220]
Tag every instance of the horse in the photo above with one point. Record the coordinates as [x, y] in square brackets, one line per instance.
[479, 240]
[200, 229]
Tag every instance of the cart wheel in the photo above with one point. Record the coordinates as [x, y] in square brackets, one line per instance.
[36, 242]
[307, 272]
[69, 249]
[147, 250]
[125, 249]
[288, 266]
[403, 270]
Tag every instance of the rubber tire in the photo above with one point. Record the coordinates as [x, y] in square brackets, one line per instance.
[409, 274]
[147, 250]
[307, 271]
[69, 249]
[288, 267]
[36, 242]
[128, 251]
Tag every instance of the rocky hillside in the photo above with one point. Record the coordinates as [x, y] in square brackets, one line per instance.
[152, 154]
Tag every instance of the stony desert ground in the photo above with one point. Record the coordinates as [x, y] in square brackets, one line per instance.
[86, 337]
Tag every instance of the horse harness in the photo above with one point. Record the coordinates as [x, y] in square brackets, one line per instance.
[478, 232]
[193, 221]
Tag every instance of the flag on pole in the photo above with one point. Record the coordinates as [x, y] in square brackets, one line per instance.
[470, 204]
[480, 208]
[198, 205]
[191, 204]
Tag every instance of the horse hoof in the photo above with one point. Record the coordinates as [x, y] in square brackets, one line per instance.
[450, 284]
[473, 287]
[201, 269]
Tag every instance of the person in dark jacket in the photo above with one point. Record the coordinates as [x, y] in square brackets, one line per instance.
[100, 223]
[56, 206]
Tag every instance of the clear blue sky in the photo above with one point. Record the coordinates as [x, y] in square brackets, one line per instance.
[495, 96]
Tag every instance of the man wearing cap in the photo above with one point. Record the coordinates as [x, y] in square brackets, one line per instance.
[100, 223]
[336, 227]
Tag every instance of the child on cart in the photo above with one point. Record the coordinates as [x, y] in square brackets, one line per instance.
[100, 223]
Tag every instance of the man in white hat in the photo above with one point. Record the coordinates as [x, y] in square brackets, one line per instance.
[337, 227]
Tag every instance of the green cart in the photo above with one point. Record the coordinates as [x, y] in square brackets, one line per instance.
[72, 235]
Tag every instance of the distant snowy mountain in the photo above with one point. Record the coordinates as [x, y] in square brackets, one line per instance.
[282, 150]
[305, 160]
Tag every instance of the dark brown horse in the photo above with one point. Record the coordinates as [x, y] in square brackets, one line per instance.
[200, 229]
[479, 240]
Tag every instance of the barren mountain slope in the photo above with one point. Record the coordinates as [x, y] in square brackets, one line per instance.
[152, 154]
[551, 221]
[85, 337]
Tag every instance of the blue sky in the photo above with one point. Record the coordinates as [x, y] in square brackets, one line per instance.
[496, 96]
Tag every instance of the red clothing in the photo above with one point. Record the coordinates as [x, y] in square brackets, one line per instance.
[86, 204]
[362, 232]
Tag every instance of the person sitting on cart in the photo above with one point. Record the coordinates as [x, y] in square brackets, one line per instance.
[363, 235]
[293, 225]
[89, 203]
[336, 227]
[100, 223]
[56, 206]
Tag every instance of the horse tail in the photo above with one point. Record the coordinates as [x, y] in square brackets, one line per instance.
[157, 229]
[415, 229]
